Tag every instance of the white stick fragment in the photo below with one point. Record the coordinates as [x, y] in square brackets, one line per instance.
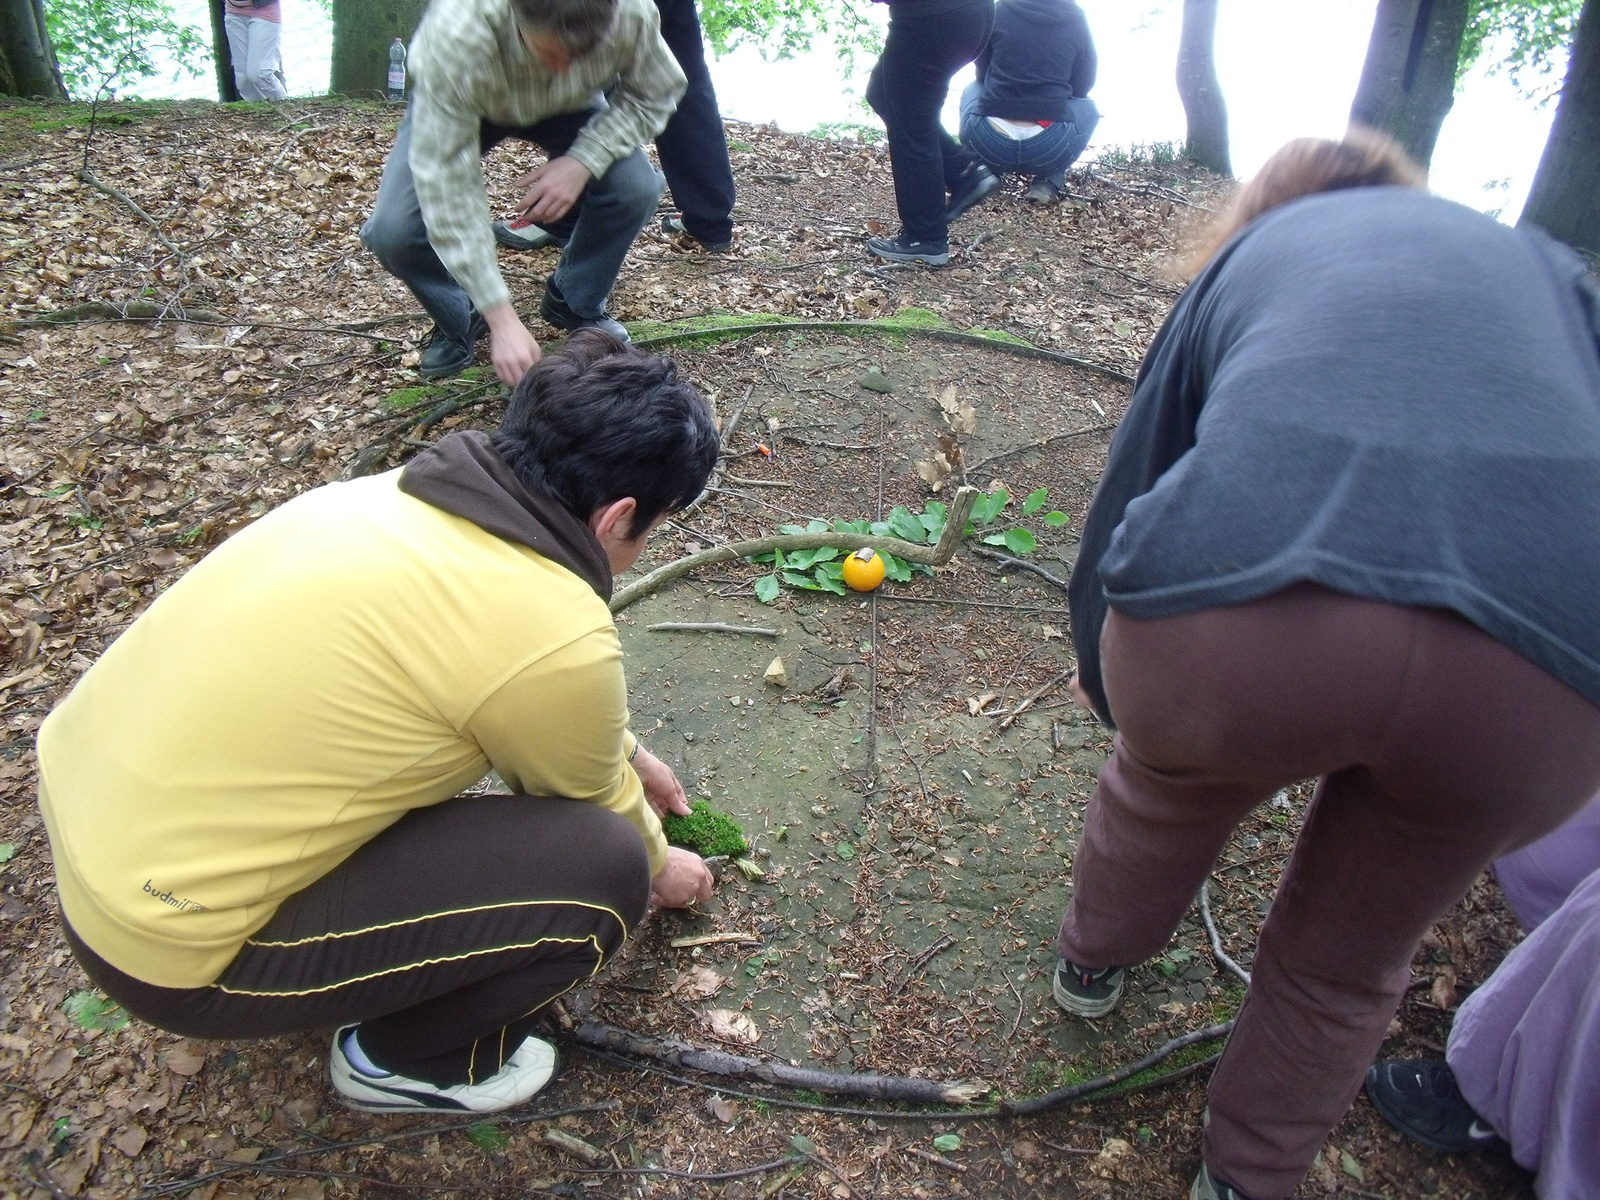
[710, 627]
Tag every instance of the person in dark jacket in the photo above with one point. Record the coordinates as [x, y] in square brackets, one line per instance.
[1347, 530]
[1029, 109]
[928, 42]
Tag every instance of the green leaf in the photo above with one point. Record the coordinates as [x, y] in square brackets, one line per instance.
[903, 525]
[879, 529]
[94, 1011]
[1055, 519]
[769, 556]
[487, 1136]
[817, 525]
[767, 589]
[1351, 1167]
[799, 580]
[946, 1142]
[859, 525]
[1020, 542]
[803, 1144]
[995, 539]
[801, 560]
[778, 561]
[792, 529]
[833, 570]
[1035, 500]
[8, 851]
[829, 583]
[845, 851]
[897, 569]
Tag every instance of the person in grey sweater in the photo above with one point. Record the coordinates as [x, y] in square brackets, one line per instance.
[1349, 529]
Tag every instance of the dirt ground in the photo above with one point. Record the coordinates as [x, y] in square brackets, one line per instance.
[913, 842]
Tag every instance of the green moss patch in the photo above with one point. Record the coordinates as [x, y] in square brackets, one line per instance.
[705, 831]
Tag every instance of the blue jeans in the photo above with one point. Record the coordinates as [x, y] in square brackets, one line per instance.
[1049, 152]
[597, 230]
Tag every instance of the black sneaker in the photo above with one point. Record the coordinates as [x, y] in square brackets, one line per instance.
[444, 357]
[1422, 1101]
[553, 308]
[1086, 993]
[1208, 1187]
[1043, 191]
[898, 249]
[977, 184]
[672, 226]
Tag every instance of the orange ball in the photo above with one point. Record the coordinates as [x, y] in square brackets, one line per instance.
[863, 570]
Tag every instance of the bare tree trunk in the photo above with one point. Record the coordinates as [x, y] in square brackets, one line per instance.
[222, 53]
[1565, 198]
[27, 60]
[1408, 81]
[1199, 90]
[363, 30]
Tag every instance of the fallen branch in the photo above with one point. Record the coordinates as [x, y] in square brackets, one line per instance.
[709, 627]
[1216, 937]
[932, 556]
[599, 1035]
[1066, 1095]
[714, 939]
[88, 177]
[1005, 560]
[921, 960]
[949, 1164]
[1032, 696]
[1024, 349]
[973, 468]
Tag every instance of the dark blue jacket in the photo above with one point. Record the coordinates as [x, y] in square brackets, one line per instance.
[1039, 56]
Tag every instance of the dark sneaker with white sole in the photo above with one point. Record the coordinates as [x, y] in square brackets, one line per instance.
[553, 308]
[1421, 1100]
[1086, 993]
[1208, 1187]
[1043, 190]
[898, 249]
[523, 234]
[444, 356]
[531, 1066]
[672, 225]
[977, 184]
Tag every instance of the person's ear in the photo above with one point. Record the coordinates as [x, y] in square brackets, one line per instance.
[613, 523]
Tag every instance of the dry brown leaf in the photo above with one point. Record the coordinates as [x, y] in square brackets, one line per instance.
[733, 1026]
[130, 1140]
[56, 1066]
[721, 1110]
[976, 704]
[697, 983]
[1443, 991]
[186, 1058]
[1114, 1159]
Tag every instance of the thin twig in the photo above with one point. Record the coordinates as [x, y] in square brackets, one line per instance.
[1077, 1091]
[1005, 560]
[972, 468]
[1032, 696]
[948, 1164]
[709, 627]
[1216, 937]
[920, 961]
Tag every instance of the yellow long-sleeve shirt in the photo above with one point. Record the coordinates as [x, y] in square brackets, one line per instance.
[353, 655]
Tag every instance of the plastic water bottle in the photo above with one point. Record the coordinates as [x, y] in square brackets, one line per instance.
[397, 70]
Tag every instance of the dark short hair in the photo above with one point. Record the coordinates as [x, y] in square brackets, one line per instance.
[600, 420]
[580, 25]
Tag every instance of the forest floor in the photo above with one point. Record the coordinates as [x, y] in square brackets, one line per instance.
[913, 831]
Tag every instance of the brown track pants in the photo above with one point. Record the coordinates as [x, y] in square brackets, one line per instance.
[1438, 749]
[443, 936]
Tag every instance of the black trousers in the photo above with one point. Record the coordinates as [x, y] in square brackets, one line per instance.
[907, 89]
[692, 148]
[443, 937]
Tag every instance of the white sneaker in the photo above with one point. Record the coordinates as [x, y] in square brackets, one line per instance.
[523, 234]
[531, 1066]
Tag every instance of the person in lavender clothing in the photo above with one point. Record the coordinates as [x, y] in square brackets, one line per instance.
[1519, 1066]
[253, 35]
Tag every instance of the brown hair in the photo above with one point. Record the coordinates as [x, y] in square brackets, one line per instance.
[579, 25]
[1362, 158]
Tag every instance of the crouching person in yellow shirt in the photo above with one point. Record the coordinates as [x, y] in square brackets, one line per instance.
[252, 798]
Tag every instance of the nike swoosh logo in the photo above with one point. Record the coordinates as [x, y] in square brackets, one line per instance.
[1479, 1132]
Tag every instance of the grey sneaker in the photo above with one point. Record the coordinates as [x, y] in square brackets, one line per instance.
[531, 1066]
[1086, 993]
[1208, 1187]
[523, 234]
[444, 357]
[1043, 191]
[898, 249]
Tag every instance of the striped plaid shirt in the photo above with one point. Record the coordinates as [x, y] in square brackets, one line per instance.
[469, 65]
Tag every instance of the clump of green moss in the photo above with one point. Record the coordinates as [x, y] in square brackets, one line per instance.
[705, 831]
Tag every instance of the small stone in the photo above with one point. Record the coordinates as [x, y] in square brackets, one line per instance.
[875, 380]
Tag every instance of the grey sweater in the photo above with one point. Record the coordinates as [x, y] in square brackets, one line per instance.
[1379, 391]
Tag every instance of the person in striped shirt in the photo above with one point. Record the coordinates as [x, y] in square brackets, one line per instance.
[587, 81]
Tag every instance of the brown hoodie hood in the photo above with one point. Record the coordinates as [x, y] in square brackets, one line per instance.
[465, 475]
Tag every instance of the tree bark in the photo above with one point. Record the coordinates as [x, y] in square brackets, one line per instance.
[362, 33]
[1408, 81]
[27, 60]
[1565, 198]
[222, 53]
[1199, 90]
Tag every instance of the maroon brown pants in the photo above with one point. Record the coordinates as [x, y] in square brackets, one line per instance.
[1437, 748]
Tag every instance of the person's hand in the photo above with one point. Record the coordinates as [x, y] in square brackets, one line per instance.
[552, 189]
[512, 348]
[684, 880]
[661, 787]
